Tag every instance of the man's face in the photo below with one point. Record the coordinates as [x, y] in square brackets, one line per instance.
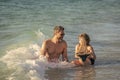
[60, 35]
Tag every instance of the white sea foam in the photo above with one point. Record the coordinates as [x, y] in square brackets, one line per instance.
[25, 61]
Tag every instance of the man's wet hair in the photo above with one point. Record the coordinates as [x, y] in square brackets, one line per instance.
[58, 28]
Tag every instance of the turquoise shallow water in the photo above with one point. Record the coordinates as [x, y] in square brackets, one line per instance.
[25, 24]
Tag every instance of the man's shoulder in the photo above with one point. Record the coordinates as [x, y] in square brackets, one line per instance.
[63, 41]
[47, 41]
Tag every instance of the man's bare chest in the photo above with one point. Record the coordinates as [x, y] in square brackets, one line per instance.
[55, 48]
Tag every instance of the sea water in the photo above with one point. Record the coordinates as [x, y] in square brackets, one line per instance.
[25, 24]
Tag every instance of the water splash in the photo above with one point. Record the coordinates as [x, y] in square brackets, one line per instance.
[27, 61]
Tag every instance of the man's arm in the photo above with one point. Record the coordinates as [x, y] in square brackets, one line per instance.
[43, 50]
[64, 54]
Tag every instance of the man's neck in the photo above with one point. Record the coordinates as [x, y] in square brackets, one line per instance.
[55, 40]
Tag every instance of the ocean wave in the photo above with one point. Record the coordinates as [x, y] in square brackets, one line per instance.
[25, 61]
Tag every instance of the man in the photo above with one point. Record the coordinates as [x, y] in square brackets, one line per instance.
[53, 48]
